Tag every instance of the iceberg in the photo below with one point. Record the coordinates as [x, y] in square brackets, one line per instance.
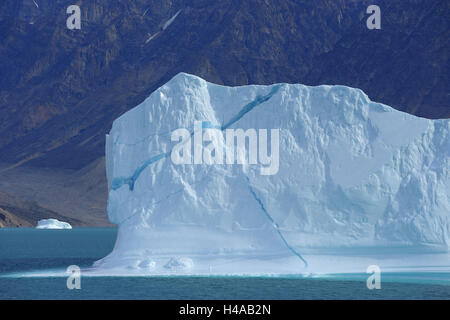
[357, 183]
[52, 224]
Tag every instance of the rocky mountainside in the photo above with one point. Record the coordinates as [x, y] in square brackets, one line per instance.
[343, 172]
[16, 212]
[61, 89]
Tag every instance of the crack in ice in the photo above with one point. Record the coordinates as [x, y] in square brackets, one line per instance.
[274, 224]
[130, 181]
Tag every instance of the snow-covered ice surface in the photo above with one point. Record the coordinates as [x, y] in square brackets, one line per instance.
[52, 224]
[359, 183]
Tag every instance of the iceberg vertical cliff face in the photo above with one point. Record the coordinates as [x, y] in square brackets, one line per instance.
[352, 174]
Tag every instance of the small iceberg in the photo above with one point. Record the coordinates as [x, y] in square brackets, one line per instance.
[52, 224]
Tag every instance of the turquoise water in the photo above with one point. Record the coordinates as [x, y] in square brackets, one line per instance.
[27, 250]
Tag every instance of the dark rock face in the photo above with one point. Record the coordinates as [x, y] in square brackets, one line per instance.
[15, 212]
[60, 89]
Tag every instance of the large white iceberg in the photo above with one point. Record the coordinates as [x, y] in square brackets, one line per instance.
[357, 183]
[52, 224]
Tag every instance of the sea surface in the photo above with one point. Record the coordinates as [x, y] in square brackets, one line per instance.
[24, 251]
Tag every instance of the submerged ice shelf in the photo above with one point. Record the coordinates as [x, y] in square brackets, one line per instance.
[353, 174]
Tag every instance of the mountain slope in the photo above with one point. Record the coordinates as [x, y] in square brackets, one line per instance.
[61, 89]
